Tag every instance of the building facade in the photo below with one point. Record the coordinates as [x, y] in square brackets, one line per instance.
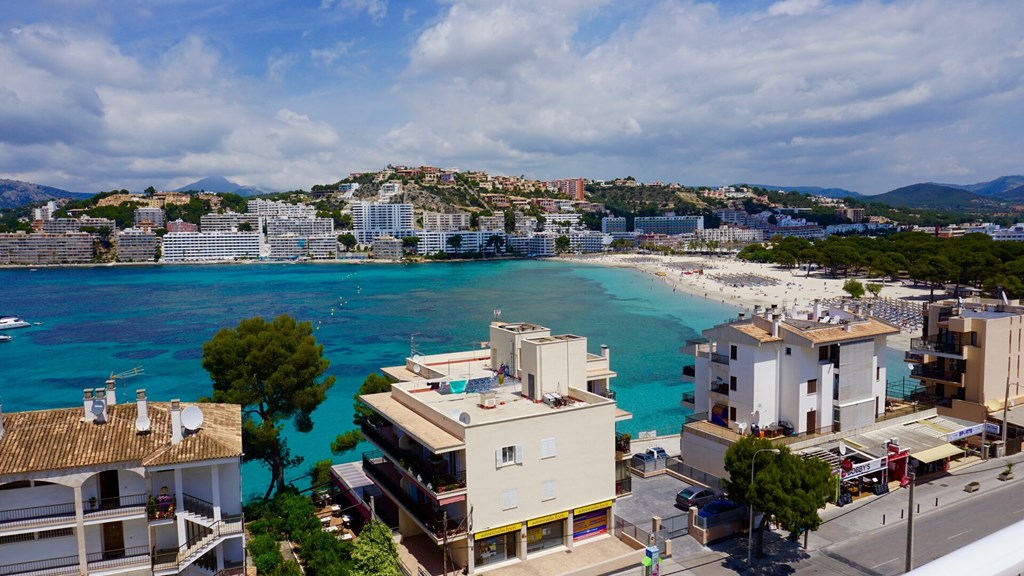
[230, 221]
[495, 456]
[373, 219]
[668, 224]
[45, 248]
[279, 209]
[444, 222]
[210, 246]
[613, 224]
[149, 218]
[135, 245]
[144, 488]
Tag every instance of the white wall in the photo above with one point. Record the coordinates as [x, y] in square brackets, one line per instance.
[230, 489]
[198, 482]
[37, 496]
[38, 550]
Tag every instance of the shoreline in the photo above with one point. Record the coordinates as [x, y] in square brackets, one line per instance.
[789, 289]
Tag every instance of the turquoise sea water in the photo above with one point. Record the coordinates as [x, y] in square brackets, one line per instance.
[110, 319]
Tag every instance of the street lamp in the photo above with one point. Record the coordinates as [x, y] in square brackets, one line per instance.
[750, 531]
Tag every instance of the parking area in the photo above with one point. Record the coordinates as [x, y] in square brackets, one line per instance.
[655, 496]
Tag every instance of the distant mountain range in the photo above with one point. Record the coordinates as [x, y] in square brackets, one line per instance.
[222, 184]
[14, 193]
[814, 190]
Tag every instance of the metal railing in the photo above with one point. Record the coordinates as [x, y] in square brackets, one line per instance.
[734, 515]
[624, 486]
[933, 370]
[689, 398]
[423, 471]
[114, 503]
[69, 564]
[197, 506]
[430, 517]
[720, 388]
[54, 511]
[195, 546]
[936, 344]
[699, 476]
[122, 557]
[719, 358]
[49, 566]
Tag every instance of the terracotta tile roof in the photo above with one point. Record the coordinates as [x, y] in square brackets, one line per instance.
[757, 333]
[57, 439]
[825, 333]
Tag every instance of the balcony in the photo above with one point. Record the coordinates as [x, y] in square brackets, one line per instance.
[113, 508]
[720, 358]
[64, 513]
[386, 477]
[136, 556]
[622, 442]
[934, 371]
[939, 345]
[688, 401]
[689, 373]
[913, 357]
[425, 472]
[624, 486]
[720, 388]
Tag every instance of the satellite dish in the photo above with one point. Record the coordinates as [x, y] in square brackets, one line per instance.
[142, 423]
[416, 363]
[192, 418]
[464, 418]
[842, 448]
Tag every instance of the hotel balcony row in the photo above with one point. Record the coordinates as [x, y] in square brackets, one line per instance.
[936, 371]
[106, 561]
[949, 345]
[435, 474]
[427, 513]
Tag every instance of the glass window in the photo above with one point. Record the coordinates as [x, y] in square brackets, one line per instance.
[812, 386]
[545, 536]
[496, 548]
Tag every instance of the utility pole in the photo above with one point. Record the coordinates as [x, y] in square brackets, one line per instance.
[1006, 405]
[444, 545]
[910, 528]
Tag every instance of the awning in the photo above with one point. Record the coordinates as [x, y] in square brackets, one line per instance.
[937, 453]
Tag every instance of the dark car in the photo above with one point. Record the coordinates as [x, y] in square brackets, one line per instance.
[694, 497]
[716, 507]
[657, 452]
[640, 460]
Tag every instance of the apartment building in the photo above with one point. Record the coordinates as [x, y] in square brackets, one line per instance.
[446, 222]
[783, 372]
[143, 488]
[62, 225]
[730, 234]
[585, 242]
[149, 218]
[387, 248]
[210, 246]
[668, 224]
[373, 219]
[561, 222]
[135, 245]
[45, 248]
[432, 242]
[497, 455]
[277, 226]
[180, 225]
[575, 188]
[492, 223]
[230, 221]
[969, 356]
[613, 224]
[295, 246]
[279, 209]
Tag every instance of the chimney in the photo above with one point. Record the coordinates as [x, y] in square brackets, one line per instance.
[111, 388]
[757, 310]
[849, 326]
[604, 351]
[99, 404]
[775, 324]
[142, 420]
[175, 421]
[817, 309]
[741, 316]
[87, 401]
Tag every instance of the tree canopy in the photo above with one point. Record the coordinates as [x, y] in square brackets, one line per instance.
[787, 489]
[275, 371]
[374, 552]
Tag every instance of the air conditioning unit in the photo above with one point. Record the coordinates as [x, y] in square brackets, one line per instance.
[488, 400]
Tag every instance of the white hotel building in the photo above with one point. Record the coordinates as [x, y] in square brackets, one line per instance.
[501, 454]
[211, 246]
[373, 219]
[144, 488]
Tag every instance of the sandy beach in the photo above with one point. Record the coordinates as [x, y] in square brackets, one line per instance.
[746, 284]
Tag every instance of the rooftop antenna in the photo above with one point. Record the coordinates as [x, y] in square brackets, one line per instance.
[497, 313]
[412, 344]
[130, 373]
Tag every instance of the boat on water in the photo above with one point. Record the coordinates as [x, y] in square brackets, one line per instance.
[4, 338]
[11, 322]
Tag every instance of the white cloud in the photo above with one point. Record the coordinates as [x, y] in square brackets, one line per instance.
[375, 9]
[793, 7]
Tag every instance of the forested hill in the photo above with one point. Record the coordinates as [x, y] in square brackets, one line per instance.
[14, 193]
[934, 197]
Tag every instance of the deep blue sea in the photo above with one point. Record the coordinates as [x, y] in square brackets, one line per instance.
[99, 320]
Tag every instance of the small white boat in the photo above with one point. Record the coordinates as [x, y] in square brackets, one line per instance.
[5, 338]
[12, 322]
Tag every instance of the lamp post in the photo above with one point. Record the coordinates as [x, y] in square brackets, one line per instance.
[750, 531]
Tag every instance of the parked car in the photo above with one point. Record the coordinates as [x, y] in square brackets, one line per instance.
[640, 460]
[657, 452]
[716, 507]
[694, 497]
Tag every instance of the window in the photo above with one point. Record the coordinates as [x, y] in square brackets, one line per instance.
[58, 533]
[547, 490]
[732, 413]
[789, 351]
[812, 386]
[822, 353]
[878, 372]
[547, 448]
[509, 499]
[732, 352]
[508, 455]
[732, 383]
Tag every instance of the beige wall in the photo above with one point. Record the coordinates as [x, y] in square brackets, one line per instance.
[505, 345]
[704, 454]
[557, 364]
[583, 467]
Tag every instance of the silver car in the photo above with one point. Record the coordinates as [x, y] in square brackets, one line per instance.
[694, 497]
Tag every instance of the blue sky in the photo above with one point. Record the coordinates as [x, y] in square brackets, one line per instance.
[869, 96]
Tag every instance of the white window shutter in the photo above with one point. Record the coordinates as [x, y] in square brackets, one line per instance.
[548, 490]
[547, 448]
[497, 458]
[519, 454]
[509, 499]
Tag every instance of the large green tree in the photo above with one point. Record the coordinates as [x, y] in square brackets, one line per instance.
[787, 489]
[275, 370]
[374, 552]
[373, 384]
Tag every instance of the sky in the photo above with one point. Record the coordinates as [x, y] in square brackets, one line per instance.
[868, 96]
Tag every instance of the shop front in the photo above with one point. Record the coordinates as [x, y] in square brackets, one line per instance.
[497, 545]
[546, 532]
[590, 521]
[862, 478]
[896, 467]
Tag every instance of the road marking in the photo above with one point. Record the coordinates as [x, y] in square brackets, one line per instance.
[1019, 511]
[960, 534]
[884, 563]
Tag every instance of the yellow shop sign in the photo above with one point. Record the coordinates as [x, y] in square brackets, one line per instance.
[548, 518]
[592, 507]
[496, 531]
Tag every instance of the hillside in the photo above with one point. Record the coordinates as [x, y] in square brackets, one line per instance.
[648, 199]
[838, 193]
[994, 188]
[221, 184]
[935, 197]
[15, 193]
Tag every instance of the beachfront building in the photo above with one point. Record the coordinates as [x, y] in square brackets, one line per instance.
[278, 226]
[668, 224]
[730, 235]
[45, 248]
[230, 221]
[542, 244]
[373, 219]
[613, 224]
[969, 359]
[279, 209]
[62, 225]
[136, 245]
[387, 248]
[135, 489]
[149, 217]
[468, 242]
[443, 222]
[180, 225]
[782, 373]
[585, 241]
[210, 246]
[562, 222]
[491, 223]
[497, 454]
[297, 246]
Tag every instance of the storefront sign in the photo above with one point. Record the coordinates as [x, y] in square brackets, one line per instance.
[589, 524]
[592, 507]
[497, 531]
[546, 519]
[863, 468]
[992, 428]
[964, 432]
